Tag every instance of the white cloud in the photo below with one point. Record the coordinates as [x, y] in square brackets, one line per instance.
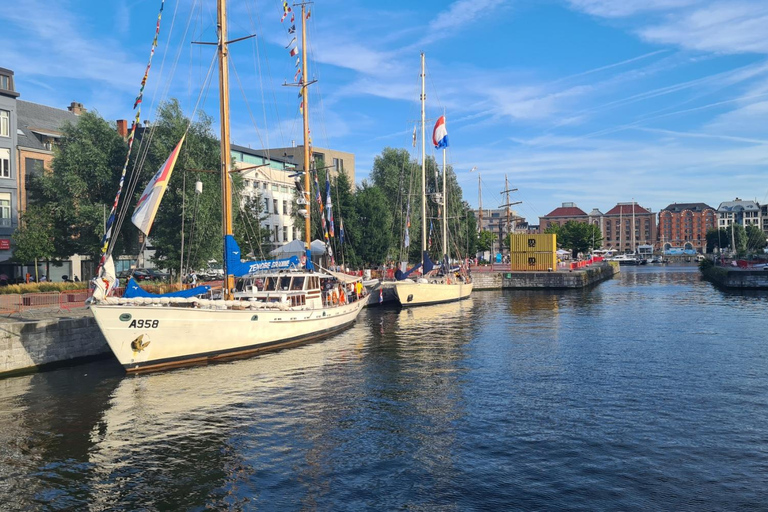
[621, 8]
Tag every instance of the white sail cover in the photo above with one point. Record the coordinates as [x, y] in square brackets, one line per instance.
[105, 281]
[150, 199]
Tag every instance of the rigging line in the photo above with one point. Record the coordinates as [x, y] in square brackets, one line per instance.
[256, 55]
[247, 103]
[134, 173]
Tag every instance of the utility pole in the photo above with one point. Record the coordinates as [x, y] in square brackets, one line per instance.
[506, 191]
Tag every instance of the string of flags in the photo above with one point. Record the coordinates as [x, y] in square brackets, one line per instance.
[111, 219]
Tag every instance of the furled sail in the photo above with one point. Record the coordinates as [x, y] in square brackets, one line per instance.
[132, 289]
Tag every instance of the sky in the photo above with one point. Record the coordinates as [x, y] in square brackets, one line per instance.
[587, 101]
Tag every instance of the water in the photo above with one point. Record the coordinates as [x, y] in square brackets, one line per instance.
[648, 392]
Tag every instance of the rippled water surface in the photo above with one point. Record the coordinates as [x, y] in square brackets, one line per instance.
[648, 392]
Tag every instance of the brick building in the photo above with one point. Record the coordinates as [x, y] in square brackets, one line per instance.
[618, 227]
[561, 215]
[685, 225]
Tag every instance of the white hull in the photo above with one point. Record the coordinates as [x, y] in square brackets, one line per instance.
[410, 293]
[184, 335]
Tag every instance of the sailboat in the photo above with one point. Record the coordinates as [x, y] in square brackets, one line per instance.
[444, 285]
[271, 305]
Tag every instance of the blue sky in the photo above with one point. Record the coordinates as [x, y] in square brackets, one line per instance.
[590, 101]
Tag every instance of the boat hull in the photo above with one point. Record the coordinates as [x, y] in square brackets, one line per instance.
[150, 338]
[411, 294]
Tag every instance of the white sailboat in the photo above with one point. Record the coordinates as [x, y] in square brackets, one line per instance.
[264, 310]
[430, 288]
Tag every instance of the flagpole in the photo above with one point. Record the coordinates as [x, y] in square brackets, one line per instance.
[446, 248]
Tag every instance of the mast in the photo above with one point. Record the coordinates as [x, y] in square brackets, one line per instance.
[480, 198]
[424, 233]
[446, 247]
[226, 156]
[507, 190]
[634, 240]
[305, 112]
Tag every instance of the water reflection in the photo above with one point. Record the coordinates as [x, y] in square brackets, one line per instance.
[654, 385]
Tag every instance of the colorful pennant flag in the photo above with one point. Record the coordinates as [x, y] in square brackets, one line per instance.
[150, 199]
[294, 51]
[329, 205]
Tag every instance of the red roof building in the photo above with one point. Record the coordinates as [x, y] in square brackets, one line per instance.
[561, 215]
[685, 226]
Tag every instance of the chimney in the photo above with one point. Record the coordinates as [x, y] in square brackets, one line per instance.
[77, 108]
[122, 128]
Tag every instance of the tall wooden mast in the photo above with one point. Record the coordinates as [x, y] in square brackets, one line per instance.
[226, 156]
[423, 98]
[305, 112]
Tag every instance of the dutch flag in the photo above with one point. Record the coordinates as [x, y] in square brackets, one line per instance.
[440, 134]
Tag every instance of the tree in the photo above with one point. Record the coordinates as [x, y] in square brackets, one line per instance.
[717, 238]
[34, 238]
[81, 187]
[485, 240]
[201, 150]
[398, 177]
[755, 239]
[374, 217]
[579, 237]
[252, 237]
[345, 208]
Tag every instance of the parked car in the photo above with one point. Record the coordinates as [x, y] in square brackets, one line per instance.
[155, 274]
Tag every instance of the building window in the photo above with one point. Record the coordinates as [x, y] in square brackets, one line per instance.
[285, 207]
[338, 164]
[274, 205]
[285, 233]
[5, 210]
[277, 232]
[5, 82]
[5, 163]
[5, 123]
[266, 204]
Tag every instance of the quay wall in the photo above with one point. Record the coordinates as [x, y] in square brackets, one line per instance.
[31, 344]
[560, 279]
[737, 278]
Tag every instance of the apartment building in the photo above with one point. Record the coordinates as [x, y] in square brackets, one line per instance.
[684, 226]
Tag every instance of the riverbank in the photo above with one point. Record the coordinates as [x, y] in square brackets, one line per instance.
[560, 279]
[738, 278]
[45, 339]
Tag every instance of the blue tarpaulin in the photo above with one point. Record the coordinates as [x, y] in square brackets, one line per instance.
[132, 289]
[238, 268]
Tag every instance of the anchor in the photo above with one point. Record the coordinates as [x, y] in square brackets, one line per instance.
[138, 344]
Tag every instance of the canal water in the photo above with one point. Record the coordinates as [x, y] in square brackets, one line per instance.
[647, 392]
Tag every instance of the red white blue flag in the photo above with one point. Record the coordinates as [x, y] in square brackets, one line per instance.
[440, 134]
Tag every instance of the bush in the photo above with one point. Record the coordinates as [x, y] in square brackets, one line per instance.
[41, 287]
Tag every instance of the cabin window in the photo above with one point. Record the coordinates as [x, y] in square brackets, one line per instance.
[271, 284]
[258, 285]
[298, 283]
[239, 285]
[285, 283]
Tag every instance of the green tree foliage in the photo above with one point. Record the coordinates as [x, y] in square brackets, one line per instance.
[34, 239]
[345, 208]
[86, 169]
[374, 217]
[202, 222]
[755, 239]
[398, 177]
[578, 237]
[485, 240]
[251, 235]
[717, 238]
